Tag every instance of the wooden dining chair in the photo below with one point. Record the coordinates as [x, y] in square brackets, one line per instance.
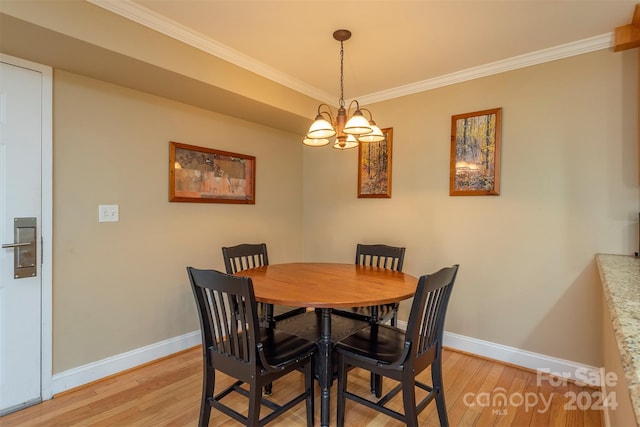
[246, 255]
[394, 353]
[233, 343]
[383, 256]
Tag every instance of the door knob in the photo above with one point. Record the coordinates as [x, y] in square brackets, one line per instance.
[25, 241]
[15, 245]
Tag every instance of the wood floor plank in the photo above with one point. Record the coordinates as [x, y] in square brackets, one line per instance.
[477, 411]
[460, 412]
[167, 393]
[558, 407]
[517, 399]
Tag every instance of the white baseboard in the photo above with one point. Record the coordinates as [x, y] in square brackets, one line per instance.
[574, 371]
[546, 364]
[94, 371]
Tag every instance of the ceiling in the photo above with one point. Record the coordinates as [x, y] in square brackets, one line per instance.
[397, 46]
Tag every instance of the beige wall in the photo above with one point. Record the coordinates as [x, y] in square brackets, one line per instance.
[528, 277]
[121, 286]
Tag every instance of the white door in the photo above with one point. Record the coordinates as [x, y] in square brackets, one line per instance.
[24, 124]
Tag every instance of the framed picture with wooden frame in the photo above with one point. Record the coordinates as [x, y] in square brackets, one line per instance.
[475, 153]
[205, 175]
[374, 167]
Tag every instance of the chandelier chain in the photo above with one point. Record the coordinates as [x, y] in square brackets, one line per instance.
[341, 74]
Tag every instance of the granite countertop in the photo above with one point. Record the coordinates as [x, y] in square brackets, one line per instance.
[620, 275]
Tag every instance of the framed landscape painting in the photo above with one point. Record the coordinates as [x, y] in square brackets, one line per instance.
[205, 175]
[475, 153]
[374, 167]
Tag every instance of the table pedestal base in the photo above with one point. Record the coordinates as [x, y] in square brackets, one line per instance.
[325, 329]
[326, 370]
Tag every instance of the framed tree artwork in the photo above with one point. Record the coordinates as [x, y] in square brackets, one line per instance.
[374, 167]
[475, 153]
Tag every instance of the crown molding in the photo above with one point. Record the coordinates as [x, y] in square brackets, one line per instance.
[143, 16]
[591, 44]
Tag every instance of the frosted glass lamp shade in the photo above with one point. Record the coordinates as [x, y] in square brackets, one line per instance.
[376, 135]
[345, 144]
[320, 129]
[357, 124]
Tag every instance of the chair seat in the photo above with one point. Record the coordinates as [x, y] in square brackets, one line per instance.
[280, 347]
[382, 343]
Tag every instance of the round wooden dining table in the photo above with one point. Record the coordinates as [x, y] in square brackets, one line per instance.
[326, 286]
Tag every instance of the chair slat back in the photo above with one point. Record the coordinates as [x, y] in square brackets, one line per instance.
[244, 256]
[228, 320]
[390, 257]
[426, 320]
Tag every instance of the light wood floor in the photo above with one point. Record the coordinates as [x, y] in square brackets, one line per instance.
[167, 393]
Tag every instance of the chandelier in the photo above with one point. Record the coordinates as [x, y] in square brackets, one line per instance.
[348, 129]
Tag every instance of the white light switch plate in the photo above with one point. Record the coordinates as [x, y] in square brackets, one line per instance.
[108, 213]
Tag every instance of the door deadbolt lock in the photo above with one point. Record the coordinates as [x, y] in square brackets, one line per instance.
[24, 247]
